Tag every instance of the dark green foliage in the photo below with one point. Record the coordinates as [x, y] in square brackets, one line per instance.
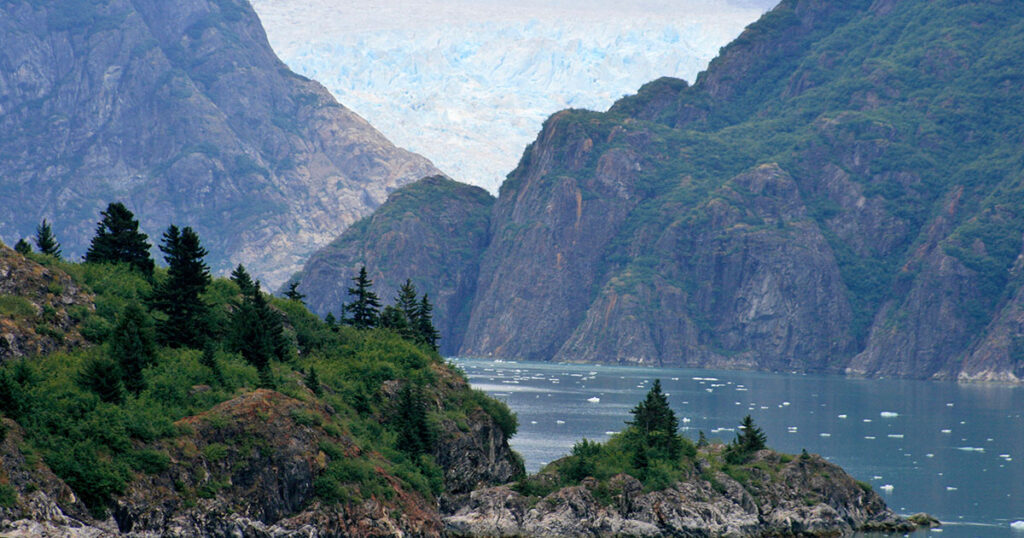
[330, 320]
[313, 382]
[178, 297]
[103, 376]
[242, 279]
[209, 360]
[45, 241]
[656, 423]
[293, 293]
[393, 319]
[257, 332]
[499, 411]
[749, 440]
[364, 310]
[425, 332]
[118, 240]
[133, 345]
[8, 496]
[702, 441]
[22, 246]
[415, 434]
[14, 398]
[407, 303]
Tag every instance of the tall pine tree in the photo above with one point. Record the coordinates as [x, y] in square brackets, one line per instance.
[240, 277]
[656, 423]
[293, 292]
[45, 240]
[22, 246]
[133, 346]
[179, 296]
[118, 240]
[364, 310]
[257, 331]
[425, 331]
[408, 305]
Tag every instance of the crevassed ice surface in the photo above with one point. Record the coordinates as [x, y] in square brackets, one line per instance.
[469, 83]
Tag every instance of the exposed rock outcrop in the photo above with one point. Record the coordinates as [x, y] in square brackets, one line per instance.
[39, 307]
[182, 111]
[810, 497]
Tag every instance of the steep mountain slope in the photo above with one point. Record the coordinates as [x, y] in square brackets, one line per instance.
[182, 111]
[839, 191]
[431, 232]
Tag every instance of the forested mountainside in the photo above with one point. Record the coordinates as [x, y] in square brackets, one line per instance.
[839, 191]
[182, 111]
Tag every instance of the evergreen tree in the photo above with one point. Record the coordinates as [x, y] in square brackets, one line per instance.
[118, 240]
[45, 241]
[240, 277]
[22, 246]
[752, 438]
[415, 435]
[102, 375]
[410, 307]
[702, 441]
[313, 382]
[656, 423]
[364, 310]
[293, 293]
[330, 321]
[257, 331]
[209, 360]
[179, 296]
[392, 318]
[425, 331]
[133, 345]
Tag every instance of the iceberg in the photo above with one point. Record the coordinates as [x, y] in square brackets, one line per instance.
[888, 414]
[1017, 526]
[594, 399]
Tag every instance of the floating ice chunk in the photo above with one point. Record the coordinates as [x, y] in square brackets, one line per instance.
[870, 437]
[594, 399]
[950, 488]
[947, 431]
[710, 390]
[895, 436]
[886, 488]
[559, 422]
[867, 420]
[610, 433]
[675, 379]
[1017, 526]
[929, 455]
[970, 449]
[950, 404]
[685, 420]
[825, 434]
[876, 477]
[785, 403]
[888, 414]
[842, 416]
[1004, 456]
[533, 422]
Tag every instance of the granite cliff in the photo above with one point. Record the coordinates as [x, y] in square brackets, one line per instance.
[182, 111]
[839, 191]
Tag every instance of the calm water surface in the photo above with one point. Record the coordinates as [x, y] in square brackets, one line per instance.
[954, 451]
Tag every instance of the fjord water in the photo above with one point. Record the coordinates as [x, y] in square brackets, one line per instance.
[954, 451]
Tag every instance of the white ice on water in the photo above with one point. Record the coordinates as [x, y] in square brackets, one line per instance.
[888, 414]
[594, 399]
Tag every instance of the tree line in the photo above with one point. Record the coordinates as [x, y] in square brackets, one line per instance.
[175, 315]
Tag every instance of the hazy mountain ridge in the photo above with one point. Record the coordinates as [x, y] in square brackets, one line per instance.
[839, 191]
[182, 111]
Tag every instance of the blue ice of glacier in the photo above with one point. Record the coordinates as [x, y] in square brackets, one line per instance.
[468, 83]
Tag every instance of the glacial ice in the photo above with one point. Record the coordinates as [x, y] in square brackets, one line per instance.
[468, 83]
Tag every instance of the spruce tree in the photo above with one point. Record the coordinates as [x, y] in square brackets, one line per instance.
[133, 345]
[313, 382]
[209, 360]
[330, 320]
[45, 241]
[257, 331]
[409, 306]
[241, 278]
[392, 318]
[364, 310]
[118, 240]
[425, 331]
[415, 434]
[22, 247]
[103, 376]
[752, 438]
[293, 293]
[656, 423]
[179, 296]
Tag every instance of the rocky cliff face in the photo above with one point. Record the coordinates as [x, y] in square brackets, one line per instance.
[431, 232]
[182, 111]
[40, 307]
[839, 191]
[809, 497]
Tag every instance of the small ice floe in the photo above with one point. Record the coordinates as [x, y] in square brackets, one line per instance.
[675, 379]
[886, 488]
[869, 437]
[825, 434]
[610, 433]
[970, 449]
[533, 422]
[1017, 526]
[895, 436]
[888, 414]
[867, 420]
[950, 488]
[946, 431]
[559, 422]
[685, 420]
[950, 404]
[594, 399]
[710, 390]
[876, 477]
[842, 416]
[791, 429]
[929, 455]
[741, 389]
[1005, 457]
[785, 403]
[764, 407]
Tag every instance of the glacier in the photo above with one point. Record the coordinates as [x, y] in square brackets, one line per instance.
[468, 83]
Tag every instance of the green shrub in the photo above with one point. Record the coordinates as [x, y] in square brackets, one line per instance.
[215, 452]
[8, 496]
[150, 461]
[16, 307]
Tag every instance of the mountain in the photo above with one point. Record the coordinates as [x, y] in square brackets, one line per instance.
[840, 191]
[431, 232]
[182, 111]
[468, 83]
